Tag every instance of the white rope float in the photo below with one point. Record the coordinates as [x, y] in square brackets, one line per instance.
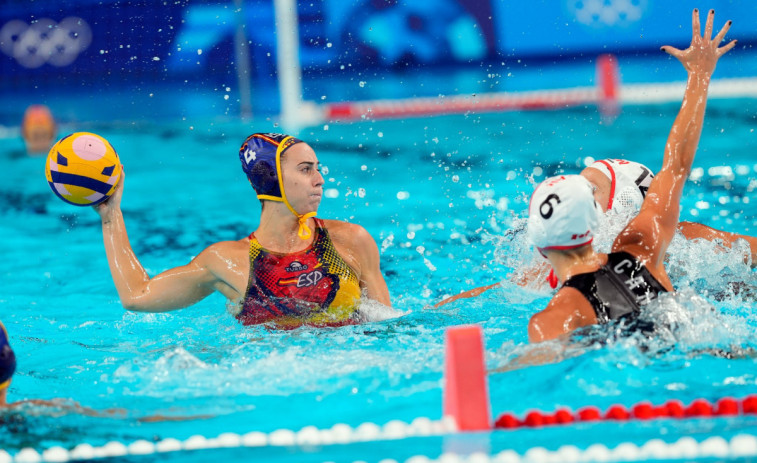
[739, 446]
[308, 436]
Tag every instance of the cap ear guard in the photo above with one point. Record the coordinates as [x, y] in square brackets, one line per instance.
[263, 177]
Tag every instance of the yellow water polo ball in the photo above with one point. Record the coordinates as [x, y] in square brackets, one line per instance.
[83, 169]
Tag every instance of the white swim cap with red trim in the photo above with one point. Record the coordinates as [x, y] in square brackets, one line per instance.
[629, 182]
[562, 213]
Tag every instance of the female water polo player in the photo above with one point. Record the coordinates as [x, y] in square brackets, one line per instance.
[621, 185]
[38, 129]
[294, 269]
[7, 364]
[563, 213]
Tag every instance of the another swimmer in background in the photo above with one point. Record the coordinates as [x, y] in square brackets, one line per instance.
[294, 269]
[38, 129]
[619, 186]
[7, 365]
[622, 185]
[563, 213]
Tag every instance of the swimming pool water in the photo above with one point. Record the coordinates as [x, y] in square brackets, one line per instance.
[444, 198]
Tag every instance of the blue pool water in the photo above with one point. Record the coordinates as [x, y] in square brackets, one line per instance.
[444, 198]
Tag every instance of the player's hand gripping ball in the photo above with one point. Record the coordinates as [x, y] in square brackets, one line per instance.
[83, 169]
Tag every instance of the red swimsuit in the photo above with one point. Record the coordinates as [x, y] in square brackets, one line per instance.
[314, 286]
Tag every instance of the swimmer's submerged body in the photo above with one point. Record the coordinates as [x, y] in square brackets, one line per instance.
[563, 214]
[17, 410]
[294, 269]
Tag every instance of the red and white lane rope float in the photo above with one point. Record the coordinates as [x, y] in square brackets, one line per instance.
[466, 408]
[605, 95]
[466, 397]
[608, 95]
[699, 408]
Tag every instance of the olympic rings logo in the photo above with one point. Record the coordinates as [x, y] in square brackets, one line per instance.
[599, 13]
[45, 41]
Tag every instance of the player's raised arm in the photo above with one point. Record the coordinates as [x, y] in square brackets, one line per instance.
[650, 233]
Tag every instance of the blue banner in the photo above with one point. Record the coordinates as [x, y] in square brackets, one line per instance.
[85, 42]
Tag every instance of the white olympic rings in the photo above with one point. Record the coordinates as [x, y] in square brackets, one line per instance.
[607, 13]
[45, 41]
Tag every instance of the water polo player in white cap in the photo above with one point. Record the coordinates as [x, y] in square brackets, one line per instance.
[563, 215]
[621, 185]
[294, 269]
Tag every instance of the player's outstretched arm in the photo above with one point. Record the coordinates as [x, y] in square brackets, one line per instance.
[650, 233]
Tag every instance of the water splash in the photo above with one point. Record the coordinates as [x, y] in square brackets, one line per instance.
[374, 311]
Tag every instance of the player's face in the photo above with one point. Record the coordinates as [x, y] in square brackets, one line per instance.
[303, 182]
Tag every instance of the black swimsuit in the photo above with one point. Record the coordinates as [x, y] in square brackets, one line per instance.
[619, 288]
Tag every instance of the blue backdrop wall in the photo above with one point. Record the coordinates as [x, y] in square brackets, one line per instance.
[81, 43]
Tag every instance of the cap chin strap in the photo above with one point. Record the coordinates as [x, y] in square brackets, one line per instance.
[304, 231]
[551, 278]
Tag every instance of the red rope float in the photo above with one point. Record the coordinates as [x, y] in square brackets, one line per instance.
[699, 408]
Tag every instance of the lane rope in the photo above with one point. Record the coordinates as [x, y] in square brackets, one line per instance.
[631, 94]
[743, 446]
[307, 436]
[699, 408]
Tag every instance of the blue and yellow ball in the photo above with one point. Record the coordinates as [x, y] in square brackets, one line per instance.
[83, 169]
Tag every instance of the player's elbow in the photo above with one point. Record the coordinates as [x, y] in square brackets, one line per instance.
[137, 303]
[133, 305]
[536, 329]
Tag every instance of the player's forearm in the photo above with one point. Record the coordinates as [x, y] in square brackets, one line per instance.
[128, 274]
[687, 127]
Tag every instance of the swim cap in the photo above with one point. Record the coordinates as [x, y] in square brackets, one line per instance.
[38, 128]
[261, 161]
[562, 213]
[38, 115]
[629, 182]
[7, 358]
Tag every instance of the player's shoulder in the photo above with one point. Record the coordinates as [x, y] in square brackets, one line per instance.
[346, 230]
[566, 311]
[223, 250]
